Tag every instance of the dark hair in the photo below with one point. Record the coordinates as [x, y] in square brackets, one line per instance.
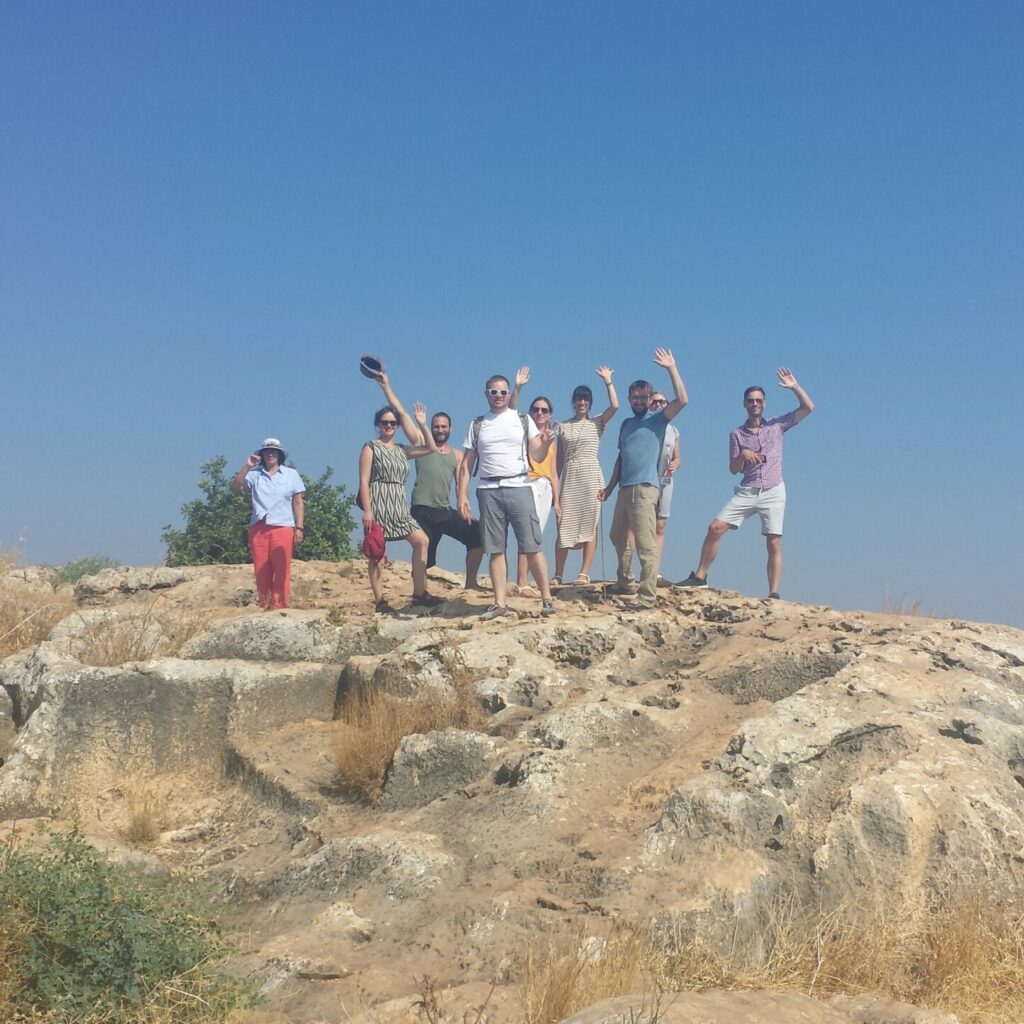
[495, 377]
[583, 392]
[544, 398]
[445, 415]
[271, 448]
[380, 412]
[754, 387]
[639, 385]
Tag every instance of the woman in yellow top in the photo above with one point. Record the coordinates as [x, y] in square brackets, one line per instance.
[543, 477]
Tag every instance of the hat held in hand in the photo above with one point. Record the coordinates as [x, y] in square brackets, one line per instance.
[371, 366]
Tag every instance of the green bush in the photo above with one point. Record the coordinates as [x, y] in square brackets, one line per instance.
[84, 937]
[72, 572]
[216, 525]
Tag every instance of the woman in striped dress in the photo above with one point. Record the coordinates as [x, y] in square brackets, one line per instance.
[383, 469]
[580, 472]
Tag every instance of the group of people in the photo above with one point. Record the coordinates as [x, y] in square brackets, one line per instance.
[528, 466]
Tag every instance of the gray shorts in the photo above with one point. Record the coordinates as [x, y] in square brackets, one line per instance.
[665, 498]
[501, 507]
[769, 504]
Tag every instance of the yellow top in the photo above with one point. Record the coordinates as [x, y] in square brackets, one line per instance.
[546, 467]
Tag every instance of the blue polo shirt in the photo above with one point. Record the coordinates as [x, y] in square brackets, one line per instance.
[272, 495]
[640, 442]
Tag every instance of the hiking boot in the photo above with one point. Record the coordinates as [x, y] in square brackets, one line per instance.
[495, 611]
[693, 580]
[547, 607]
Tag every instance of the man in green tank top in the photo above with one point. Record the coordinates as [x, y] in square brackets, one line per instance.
[431, 497]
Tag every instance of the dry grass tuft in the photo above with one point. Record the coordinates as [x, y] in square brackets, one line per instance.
[27, 612]
[963, 955]
[144, 821]
[911, 607]
[155, 629]
[372, 723]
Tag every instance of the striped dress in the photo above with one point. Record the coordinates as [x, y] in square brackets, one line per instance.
[390, 507]
[581, 480]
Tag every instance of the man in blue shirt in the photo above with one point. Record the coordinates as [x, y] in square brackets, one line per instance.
[637, 473]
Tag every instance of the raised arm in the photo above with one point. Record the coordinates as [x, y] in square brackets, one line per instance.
[664, 358]
[605, 373]
[417, 451]
[789, 382]
[238, 482]
[408, 424]
[522, 377]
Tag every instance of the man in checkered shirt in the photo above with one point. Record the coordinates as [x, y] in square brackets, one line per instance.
[755, 450]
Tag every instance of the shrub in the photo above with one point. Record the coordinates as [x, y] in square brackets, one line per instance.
[72, 572]
[216, 525]
[86, 938]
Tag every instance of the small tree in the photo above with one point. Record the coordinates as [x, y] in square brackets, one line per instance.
[216, 525]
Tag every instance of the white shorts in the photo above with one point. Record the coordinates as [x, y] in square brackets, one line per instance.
[543, 497]
[769, 504]
[665, 498]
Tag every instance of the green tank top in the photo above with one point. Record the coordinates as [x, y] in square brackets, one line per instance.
[434, 476]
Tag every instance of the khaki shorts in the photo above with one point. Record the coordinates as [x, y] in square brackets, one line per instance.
[769, 504]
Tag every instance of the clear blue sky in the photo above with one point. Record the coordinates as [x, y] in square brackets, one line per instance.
[210, 209]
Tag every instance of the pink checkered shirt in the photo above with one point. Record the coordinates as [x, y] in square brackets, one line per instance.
[766, 441]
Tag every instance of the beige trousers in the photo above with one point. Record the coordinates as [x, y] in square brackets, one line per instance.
[636, 509]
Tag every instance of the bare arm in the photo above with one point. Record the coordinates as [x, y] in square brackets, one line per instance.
[522, 377]
[605, 373]
[299, 513]
[416, 451]
[788, 381]
[663, 357]
[465, 471]
[408, 424]
[238, 481]
[365, 463]
[613, 481]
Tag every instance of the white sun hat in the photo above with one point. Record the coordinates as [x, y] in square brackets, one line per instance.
[273, 442]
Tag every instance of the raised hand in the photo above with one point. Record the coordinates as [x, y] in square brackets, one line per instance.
[253, 461]
[605, 373]
[786, 379]
[522, 376]
[419, 410]
[663, 357]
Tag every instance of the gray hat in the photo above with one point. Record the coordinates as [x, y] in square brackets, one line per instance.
[371, 366]
[273, 442]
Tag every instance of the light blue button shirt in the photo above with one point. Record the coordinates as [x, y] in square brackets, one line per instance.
[272, 495]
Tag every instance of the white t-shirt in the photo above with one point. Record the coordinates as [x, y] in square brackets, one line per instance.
[500, 451]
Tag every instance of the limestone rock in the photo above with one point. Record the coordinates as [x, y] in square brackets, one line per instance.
[869, 1009]
[430, 766]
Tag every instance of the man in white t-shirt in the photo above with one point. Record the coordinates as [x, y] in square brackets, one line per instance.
[502, 443]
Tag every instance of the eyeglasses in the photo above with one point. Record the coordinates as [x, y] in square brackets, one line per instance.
[658, 401]
[495, 392]
[387, 423]
[539, 408]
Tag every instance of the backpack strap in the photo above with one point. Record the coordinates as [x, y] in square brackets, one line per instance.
[474, 436]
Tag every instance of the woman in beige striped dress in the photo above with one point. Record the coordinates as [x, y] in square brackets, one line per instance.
[581, 476]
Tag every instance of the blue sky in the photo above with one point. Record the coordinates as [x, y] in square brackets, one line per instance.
[209, 210]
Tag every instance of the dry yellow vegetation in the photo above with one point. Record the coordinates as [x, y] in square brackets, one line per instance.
[27, 612]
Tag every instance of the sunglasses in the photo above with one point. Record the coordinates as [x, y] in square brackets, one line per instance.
[495, 392]
[658, 401]
[539, 408]
[387, 423]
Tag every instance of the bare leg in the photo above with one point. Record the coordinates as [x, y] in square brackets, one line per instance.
[662, 523]
[473, 558]
[499, 578]
[709, 550]
[420, 542]
[561, 554]
[774, 542]
[522, 568]
[539, 567]
[589, 550]
[376, 586]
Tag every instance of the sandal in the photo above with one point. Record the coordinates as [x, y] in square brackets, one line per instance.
[529, 591]
[583, 580]
[556, 581]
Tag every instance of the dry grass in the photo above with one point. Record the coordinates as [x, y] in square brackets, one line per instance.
[27, 612]
[908, 606]
[145, 820]
[965, 955]
[154, 629]
[371, 723]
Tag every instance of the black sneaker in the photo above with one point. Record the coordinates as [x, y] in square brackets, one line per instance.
[495, 611]
[427, 600]
[547, 607]
[774, 596]
[693, 580]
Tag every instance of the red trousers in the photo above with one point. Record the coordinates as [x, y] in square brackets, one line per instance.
[271, 548]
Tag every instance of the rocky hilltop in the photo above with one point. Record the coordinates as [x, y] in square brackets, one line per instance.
[692, 768]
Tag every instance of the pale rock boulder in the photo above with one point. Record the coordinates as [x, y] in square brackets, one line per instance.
[599, 723]
[428, 767]
[871, 1009]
